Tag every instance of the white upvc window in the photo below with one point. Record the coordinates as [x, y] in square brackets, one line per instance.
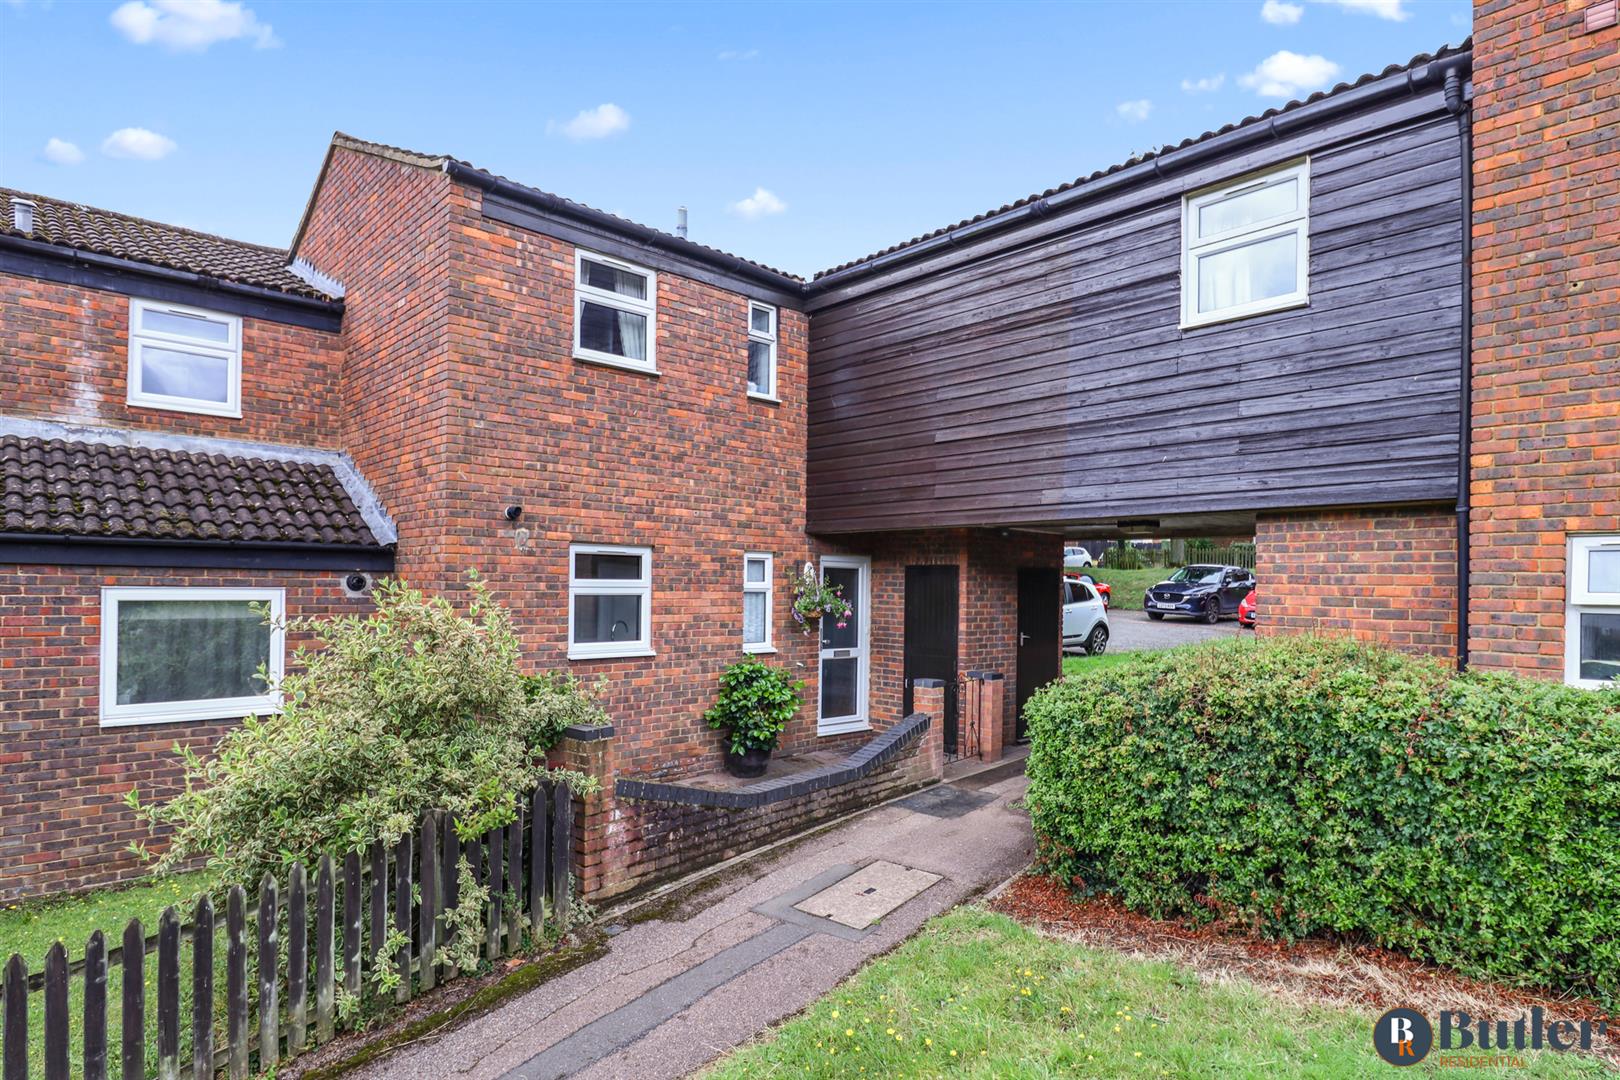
[761, 351]
[1592, 616]
[757, 603]
[609, 601]
[615, 312]
[1245, 247]
[184, 358]
[175, 654]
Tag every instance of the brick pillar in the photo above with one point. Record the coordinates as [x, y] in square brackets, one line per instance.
[928, 696]
[986, 689]
[597, 857]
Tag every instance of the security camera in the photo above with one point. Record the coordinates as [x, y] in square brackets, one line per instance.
[356, 584]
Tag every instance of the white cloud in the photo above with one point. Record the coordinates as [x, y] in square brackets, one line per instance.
[1134, 111]
[1393, 10]
[1281, 13]
[598, 123]
[740, 54]
[62, 152]
[1207, 85]
[1287, 74]
[761, 203]
[190, 25]
[138, 143]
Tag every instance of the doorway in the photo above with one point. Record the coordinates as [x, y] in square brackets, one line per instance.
[1040, 632]
[932, 597]
[844, 650]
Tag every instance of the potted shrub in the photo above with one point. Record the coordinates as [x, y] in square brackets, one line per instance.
[756, 702]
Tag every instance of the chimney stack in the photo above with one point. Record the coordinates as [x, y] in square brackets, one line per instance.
[680, 222]
[22, 214]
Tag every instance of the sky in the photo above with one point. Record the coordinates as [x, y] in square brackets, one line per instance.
[798, 135]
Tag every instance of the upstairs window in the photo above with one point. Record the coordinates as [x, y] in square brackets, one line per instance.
[609, 597]
[762, 351]
[757, 603]
[1244, 248]
[184, 358]
[1592, 626]
[615, 307]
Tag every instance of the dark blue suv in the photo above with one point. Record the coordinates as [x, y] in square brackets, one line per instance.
[1202, 591]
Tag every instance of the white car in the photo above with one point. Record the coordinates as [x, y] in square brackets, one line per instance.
[1085, 619]
[1076, 558]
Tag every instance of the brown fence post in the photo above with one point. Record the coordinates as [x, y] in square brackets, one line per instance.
[379, 903]
[402, 915]
[494, 842]
[269, 1013]
[168, 990]
[56, 1013]
[202, 989]
[297, 960]
[16, 1023]
[95, 1007]
[562, 849]
[538, 803]
[450, 873]
[236, 990]
[514, 882]
[431, 888]
[324, 917]
[353, 920]
[132, 958]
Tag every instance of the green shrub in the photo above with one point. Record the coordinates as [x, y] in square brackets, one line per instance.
[755, 703]
[1121, 558]
[414, 707]
[1307, 786]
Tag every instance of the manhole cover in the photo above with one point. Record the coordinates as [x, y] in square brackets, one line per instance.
[868, 894]
[946, 801]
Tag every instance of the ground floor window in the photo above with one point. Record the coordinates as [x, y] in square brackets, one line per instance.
[757, 603]
[609, 601]
[1592, 627]
[172, 654]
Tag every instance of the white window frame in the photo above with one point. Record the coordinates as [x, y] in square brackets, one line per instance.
[171, 712]
[764, 587]
[641, 587]
[230, 351]
[764, 339]
[647, 307]
[1194, 246]
[861, 721]
[1580, 599]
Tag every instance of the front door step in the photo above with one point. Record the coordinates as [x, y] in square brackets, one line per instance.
[867, 895]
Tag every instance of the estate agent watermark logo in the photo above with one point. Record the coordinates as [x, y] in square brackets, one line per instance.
[1405, 1036]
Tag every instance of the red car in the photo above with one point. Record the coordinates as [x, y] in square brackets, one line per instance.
[1102, 588]
[1246, 611]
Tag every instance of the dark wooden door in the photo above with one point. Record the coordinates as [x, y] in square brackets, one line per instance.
[930, 645]
[1040, 631]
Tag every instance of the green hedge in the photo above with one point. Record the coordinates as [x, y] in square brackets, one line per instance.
[1307, 786]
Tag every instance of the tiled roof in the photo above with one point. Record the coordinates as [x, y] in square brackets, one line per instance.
[437, 161]
[59, 487]
[1393, 69]
[67, 224]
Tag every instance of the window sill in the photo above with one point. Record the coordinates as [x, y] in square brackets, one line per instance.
[200, 409]
[606, 360]
[632, 654]
[843, 728]
[191, 716]
[760, 650]
[1287, 303]
[764, 398]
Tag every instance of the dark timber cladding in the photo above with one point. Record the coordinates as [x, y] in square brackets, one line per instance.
[1040, 377]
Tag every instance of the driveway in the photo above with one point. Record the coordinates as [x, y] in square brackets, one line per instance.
[1130, 630]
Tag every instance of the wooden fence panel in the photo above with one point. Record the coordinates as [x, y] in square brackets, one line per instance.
[538, 804]
[297, 960]
[269, 1013]
[95, 1007]
[427, 914]
[56, 1013]
[402, 916]
[133, 1000]
[324, 900]
[353, 920]
[236, 988]
[16, 1022]
[168, 991]
[493, 843]
[202, 989]
[562, 846]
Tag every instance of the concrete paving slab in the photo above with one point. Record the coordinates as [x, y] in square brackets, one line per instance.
[867, 895]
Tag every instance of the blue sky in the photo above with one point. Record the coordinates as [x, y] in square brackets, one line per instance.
[798, 135]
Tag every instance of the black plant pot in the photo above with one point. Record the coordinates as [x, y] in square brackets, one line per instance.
[749, 763]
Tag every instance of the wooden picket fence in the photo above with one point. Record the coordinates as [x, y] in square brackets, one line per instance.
[526, 865]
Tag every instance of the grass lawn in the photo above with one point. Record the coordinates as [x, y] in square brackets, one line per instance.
[1128, 585]
[978, 994]
[1080, 665]
[32, 927]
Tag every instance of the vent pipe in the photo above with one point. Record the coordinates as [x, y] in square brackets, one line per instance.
[22, 214]
[680, 222]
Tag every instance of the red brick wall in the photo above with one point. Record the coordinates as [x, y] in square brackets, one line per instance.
[66, 358]
[63, 778]
[1386, 575]
[1546, 309]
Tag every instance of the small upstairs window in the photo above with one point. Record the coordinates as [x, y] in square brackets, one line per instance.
[184, 358]
[1244, 247]
[615, 311]
[762, 351]
[1592, 621]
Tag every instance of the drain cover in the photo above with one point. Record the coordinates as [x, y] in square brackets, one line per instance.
[868, 894]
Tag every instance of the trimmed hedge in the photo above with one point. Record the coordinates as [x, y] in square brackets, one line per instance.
[1305, 786]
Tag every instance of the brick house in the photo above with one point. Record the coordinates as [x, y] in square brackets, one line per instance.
[637, 438]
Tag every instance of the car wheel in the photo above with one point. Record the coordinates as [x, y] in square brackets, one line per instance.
[1155, 615]
[1212, 610]
[1097, 643]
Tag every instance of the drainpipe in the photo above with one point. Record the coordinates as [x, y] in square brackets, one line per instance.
[1457, 102]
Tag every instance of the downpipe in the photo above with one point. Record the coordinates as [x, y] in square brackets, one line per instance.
[1457, 101]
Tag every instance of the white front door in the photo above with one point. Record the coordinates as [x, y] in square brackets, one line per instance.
[844, 660]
